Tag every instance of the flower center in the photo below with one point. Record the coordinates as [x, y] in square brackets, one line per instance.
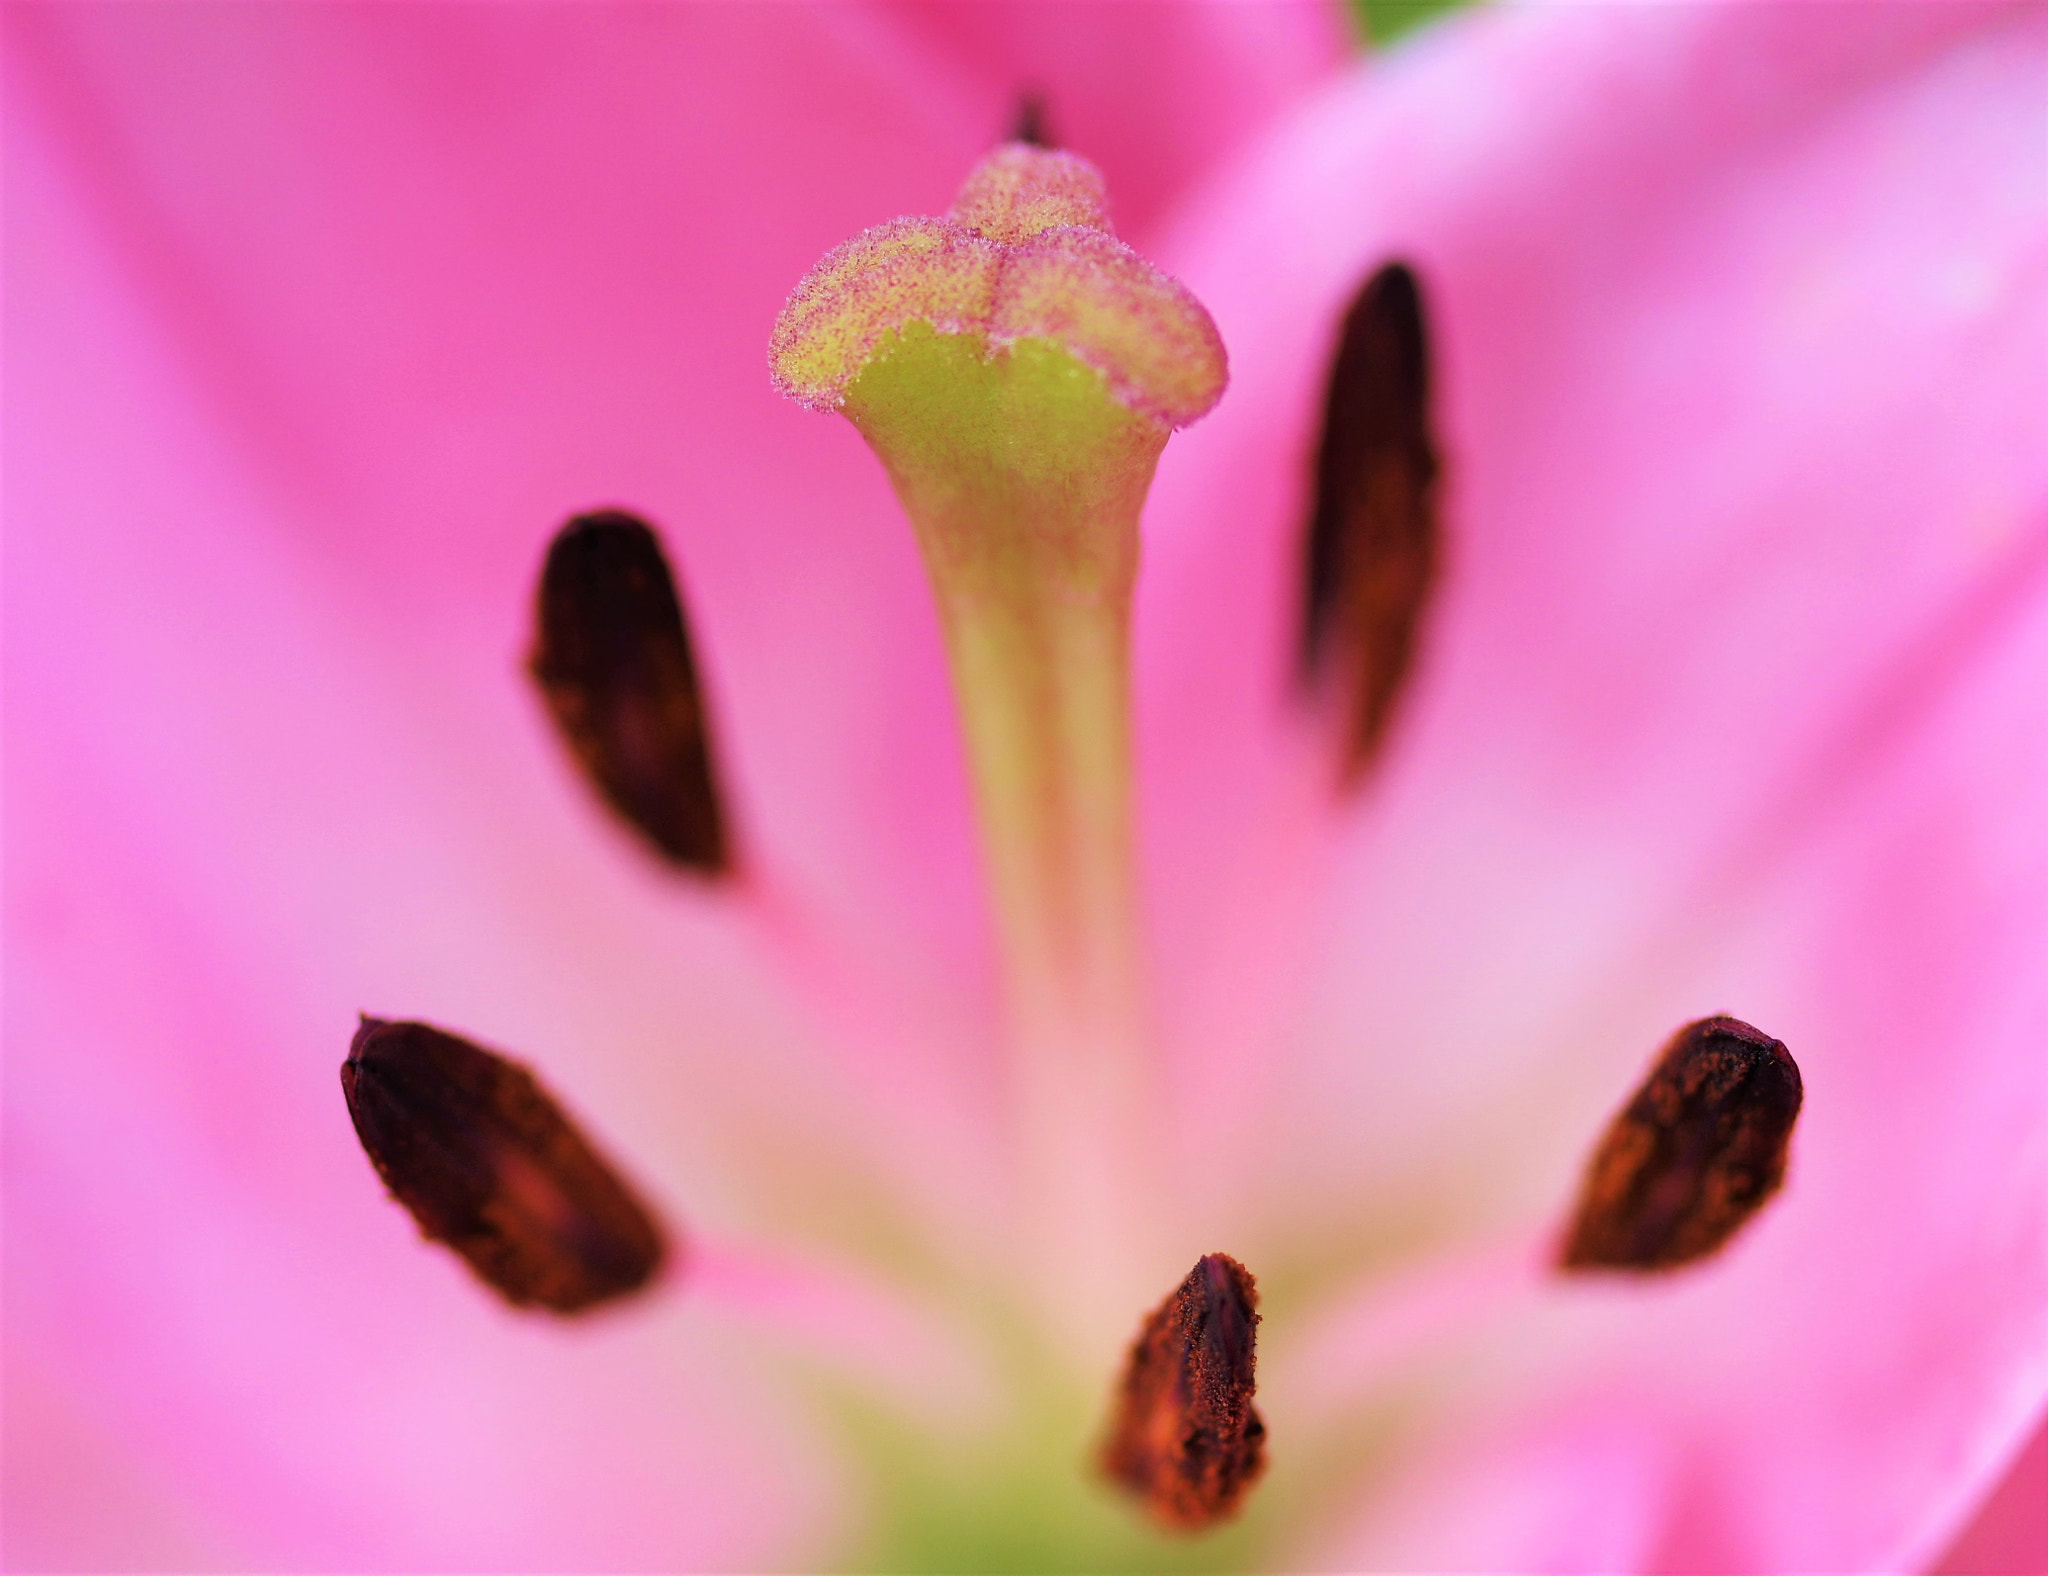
[1018, 371]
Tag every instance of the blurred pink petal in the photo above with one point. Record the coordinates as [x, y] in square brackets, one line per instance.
[2009, 1536]
[1732, 700]
[320, 319]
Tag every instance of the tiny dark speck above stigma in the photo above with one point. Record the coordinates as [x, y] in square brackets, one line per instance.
[1029, 124]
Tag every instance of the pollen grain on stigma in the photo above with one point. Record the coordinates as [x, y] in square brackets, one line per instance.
[1694, 1154]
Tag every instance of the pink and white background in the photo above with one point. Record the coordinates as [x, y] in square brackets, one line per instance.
[320, 317]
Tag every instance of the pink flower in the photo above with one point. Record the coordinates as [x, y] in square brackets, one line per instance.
[321, 319]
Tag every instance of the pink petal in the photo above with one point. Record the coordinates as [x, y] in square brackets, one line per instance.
[457, 274]
[1731, 702]
[320, 320]
[2009, 1534]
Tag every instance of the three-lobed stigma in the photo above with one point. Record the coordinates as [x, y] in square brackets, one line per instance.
[1025, 253]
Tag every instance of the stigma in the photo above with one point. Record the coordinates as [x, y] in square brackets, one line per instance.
[1026, 253]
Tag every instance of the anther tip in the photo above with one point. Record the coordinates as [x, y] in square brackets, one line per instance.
[1695, 1154]
[613, 661]
[1187, 1440]
[1373, 535]
[488, 1163]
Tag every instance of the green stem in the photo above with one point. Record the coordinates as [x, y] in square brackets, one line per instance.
[1017, 369]
[1024, 480]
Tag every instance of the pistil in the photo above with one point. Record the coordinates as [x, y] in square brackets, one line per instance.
[1018, 370]
[1023, 478]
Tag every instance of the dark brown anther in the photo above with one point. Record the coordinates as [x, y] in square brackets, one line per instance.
[1692, 1156]
[1187, 1440]
[613, 662]
[1372, 540]
[487, 1163]
[1030, 123]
